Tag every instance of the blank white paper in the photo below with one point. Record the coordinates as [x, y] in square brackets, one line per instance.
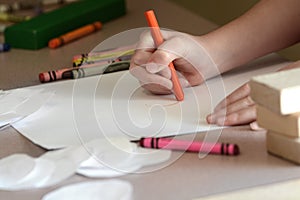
[115, 105]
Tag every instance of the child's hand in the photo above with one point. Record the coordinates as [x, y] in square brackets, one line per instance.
[150, 65]
[237, 108]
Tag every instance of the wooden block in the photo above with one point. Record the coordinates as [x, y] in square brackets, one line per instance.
[283, 146]
[277, 91]
[288, 125]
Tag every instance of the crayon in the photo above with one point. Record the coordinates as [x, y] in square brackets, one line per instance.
[92, 71]
[87, 58]
[56, 75]
[158, 40]
[16, 6]
[52, 75]
[4, 47]
[75, 34]
[189, 146]
[104, 54]
[13, 18]
[94, 61]
[8, 8]
[117, 66]
[24, 5]
[112, 51]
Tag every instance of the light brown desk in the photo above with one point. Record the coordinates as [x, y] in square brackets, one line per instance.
[189, 177]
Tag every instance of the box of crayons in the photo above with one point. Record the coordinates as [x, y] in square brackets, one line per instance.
[277, 96]
[36, 32]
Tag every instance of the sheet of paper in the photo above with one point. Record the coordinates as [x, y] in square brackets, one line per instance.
[102, 106]
[115, 105]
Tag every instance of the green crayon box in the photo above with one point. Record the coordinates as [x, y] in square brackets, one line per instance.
[36, 32]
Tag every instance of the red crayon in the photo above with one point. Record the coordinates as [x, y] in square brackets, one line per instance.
[58, 74]
[52, 75]
[190, 146]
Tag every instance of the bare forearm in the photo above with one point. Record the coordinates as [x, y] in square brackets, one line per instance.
[269, 26]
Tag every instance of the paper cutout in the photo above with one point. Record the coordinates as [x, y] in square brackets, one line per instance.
[47, 170]
[111, 157]
[115, 148]
[117, 156]
[94, 169]
[19, 103]
[104, 190]
[10, 171]
[65, 161]
[117, 164]
[39, 175]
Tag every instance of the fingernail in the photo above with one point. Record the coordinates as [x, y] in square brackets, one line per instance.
[255, 127]
[184, 83]
[153, 67]
[210, 118]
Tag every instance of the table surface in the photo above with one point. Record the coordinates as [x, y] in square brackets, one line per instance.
[186, 178]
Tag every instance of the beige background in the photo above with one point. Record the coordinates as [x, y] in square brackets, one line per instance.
[221, 12]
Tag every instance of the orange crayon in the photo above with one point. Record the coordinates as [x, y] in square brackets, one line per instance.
[75, 34]
[158, 39]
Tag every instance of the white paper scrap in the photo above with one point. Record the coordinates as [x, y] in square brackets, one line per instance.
[36, 178]
[19, 103]
[93, 190]
[94, 169]
[47, 170]
[110, 165]
[14, 169]
[110, 157]
[65, 163]
[118, 156]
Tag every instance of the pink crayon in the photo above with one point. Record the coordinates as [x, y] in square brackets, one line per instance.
[190, 146]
